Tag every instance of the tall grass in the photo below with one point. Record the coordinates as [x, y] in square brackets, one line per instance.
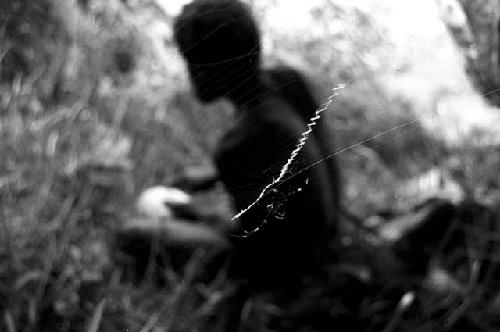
[89, 115]
[79, 132]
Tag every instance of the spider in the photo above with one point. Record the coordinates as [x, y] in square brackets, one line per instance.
[275, 210]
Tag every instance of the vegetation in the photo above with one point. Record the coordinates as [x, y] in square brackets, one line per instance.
[94, 107]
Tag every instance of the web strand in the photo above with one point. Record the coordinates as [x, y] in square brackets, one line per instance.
[293, 155]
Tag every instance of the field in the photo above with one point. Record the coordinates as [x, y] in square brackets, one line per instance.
[95, 106]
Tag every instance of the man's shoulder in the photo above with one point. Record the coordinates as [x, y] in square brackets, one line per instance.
[275, 111]
[271, 122]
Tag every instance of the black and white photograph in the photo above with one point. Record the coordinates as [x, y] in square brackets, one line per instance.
[249, 165]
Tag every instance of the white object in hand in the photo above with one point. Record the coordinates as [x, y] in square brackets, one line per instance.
[154, 201]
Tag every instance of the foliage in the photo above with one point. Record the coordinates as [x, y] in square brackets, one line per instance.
[91, 111]
[474, 25]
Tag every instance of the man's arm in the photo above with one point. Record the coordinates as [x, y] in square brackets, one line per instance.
[194, 179]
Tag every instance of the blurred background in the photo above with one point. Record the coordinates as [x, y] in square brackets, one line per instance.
[95, 106]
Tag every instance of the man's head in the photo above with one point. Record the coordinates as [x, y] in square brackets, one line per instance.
[220, 41]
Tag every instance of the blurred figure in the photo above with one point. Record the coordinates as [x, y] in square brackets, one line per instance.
[282, 238]
[295, 88]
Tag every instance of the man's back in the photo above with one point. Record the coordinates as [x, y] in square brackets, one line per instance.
[296, 217]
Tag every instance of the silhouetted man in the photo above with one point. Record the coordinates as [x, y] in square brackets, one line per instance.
[221, 43]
